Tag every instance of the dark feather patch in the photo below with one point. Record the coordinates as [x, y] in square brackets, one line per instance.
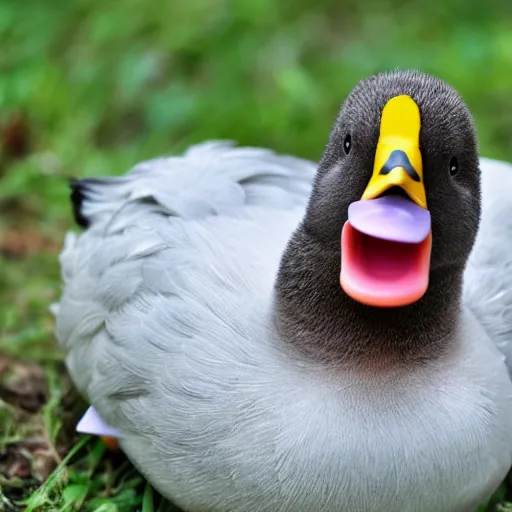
[78, 194]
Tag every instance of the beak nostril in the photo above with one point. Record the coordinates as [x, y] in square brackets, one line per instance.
[399, 158]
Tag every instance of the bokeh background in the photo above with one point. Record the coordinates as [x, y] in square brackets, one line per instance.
[90, 87]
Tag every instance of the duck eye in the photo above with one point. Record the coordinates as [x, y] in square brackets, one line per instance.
[454, 166]
[347, 143]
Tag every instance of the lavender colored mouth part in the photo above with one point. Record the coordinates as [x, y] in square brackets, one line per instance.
[91, 423]
[394, 218]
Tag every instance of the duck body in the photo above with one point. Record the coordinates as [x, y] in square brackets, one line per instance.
[168, 319]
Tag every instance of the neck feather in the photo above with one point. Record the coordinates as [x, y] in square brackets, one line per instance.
[318, 318]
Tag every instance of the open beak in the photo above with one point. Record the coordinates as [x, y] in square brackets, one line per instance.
[386, 242]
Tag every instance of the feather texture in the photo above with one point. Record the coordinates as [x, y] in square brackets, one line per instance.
[488, 275]
[166, 320]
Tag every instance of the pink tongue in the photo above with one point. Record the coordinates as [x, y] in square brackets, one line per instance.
[385, 253]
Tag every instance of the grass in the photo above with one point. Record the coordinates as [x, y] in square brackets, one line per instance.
[90, 88]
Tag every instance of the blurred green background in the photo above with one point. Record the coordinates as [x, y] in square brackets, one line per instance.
[92, 87]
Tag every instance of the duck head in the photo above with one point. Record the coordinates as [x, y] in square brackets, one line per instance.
[395, 205]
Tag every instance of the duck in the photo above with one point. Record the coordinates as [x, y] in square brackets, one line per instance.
[265, 333]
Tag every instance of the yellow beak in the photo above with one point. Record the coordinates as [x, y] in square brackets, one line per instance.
[397, 157]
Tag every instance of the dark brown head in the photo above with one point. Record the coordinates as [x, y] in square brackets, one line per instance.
[398, 133]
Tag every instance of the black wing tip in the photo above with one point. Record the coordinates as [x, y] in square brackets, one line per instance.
[78, 194]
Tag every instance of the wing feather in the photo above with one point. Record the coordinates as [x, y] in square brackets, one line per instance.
[167, 262]
[488, 275]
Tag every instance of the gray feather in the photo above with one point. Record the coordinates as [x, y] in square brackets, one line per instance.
[488, 276]
[166, 320]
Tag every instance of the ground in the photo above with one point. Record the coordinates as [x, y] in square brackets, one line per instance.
[91, 87]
